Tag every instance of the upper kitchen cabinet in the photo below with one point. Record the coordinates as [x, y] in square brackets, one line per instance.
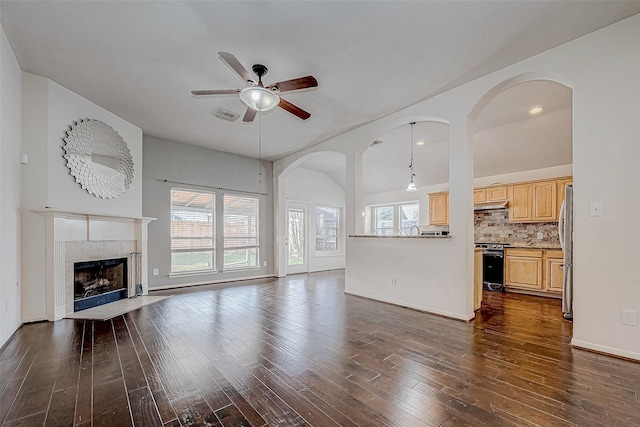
[439, 208]
[533, 202]
[490, 194]
[544, 201]
[520, 203]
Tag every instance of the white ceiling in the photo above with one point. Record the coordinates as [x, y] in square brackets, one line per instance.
[139, 60]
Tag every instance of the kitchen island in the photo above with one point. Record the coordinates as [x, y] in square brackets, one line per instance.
[428, 273]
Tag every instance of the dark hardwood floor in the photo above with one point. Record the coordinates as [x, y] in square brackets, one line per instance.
[298, 351]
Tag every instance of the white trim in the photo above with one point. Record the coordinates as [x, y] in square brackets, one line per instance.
[332, 254]
[231, 270]
[209, 282]
[605, 349]
[72, 214]
[33, 319]
[192, 273]
[429, 310]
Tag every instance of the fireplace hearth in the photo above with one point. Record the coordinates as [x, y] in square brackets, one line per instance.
[99, 282]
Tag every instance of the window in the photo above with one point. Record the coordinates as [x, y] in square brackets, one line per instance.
[384, 220]
[408, 217]
[395, 219]
[240, 231]
[327, 228]
[192, 231]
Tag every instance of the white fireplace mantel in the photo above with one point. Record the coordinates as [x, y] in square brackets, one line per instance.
[86, 236]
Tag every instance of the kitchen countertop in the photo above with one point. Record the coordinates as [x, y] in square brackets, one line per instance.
[395, 236]
[548, 246]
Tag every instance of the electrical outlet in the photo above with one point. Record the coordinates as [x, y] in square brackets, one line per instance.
[156, 271]
[540, 235]
[629, 317]
[264, 264]
[393, 281]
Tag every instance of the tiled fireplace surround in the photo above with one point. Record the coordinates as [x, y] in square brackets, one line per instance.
[75, 237]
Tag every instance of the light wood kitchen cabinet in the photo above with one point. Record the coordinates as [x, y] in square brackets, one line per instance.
[553, 263]
[439, 208]
[544, 201]
[533, 202]
[537, 270]
[479, 196]
[490, 194]
[520, 203]
[477, 278]
[523, 269]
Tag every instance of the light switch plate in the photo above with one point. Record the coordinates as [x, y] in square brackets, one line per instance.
[595, 209]
[629, 317]
[156, 271]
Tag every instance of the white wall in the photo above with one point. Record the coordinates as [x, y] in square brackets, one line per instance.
[602, 69]
[48, 110]
[200, 169]
[317, 189]
[10, 145]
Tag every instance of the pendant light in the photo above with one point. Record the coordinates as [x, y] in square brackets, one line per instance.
[412, 185]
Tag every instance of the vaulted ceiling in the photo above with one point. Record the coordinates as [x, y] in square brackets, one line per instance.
[140, 60]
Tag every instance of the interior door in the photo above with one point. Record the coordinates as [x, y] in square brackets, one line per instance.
[297, 238]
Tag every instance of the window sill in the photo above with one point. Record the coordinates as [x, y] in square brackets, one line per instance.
[192, 273]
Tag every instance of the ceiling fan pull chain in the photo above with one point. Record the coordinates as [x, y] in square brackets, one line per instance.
[259, 147]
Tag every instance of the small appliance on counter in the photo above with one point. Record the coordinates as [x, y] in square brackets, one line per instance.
[435, 233]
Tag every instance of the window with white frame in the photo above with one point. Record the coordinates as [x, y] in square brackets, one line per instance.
[384, 220]
[327, 229]
[408, 217]
[192, 231]
[241, 245]
[395, 219]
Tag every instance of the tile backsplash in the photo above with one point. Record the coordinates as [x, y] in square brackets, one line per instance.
[493, 226]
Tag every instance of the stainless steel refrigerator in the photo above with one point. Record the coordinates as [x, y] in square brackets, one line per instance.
[565, 230]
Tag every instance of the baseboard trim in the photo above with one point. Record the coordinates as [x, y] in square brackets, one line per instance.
[608, 351]
[422, 309]
[35, 319]
[5, 339]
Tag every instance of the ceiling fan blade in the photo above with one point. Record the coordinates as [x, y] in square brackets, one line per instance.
[233, 62]
[215, 92]
[294, 84]
[249, 115]
[293, 109]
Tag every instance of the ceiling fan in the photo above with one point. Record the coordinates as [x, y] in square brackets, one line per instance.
[256, 96]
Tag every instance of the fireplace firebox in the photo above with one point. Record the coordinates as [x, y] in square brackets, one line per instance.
[99, 282]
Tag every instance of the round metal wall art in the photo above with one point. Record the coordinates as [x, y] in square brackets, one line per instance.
[98, 158]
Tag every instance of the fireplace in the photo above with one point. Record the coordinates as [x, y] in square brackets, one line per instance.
[99, 282]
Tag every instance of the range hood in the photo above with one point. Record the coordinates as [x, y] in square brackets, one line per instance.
[491, 205]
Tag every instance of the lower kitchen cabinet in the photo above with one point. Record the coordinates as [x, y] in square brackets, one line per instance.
[553, 263]
[537, 270]
[523, 269]
[477, 278]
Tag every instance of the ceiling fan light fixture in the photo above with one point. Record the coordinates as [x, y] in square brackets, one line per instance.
[259, 98]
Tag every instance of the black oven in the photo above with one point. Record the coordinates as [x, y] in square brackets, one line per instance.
[492, 266]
